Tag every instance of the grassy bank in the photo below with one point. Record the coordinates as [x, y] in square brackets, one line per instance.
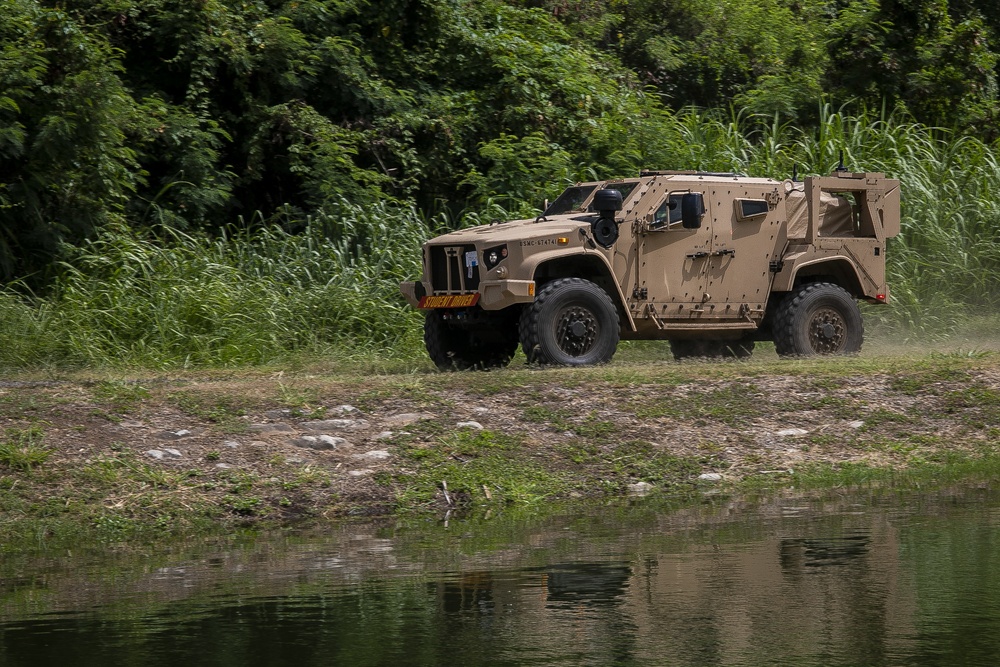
[75, 461]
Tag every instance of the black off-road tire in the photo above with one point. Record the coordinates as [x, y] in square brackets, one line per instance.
[818, 319]
[455, 348]
[572, 322]
[711, 349]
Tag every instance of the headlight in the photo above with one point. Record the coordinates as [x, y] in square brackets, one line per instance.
[495, 255]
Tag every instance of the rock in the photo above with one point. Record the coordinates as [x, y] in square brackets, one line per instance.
[333, 441]
[345, 409]
[407, 418]
[375, 455]
[175, 435]
[335, 424]
[313, 442]
[278, 414]
[855, 424]
[155, 454]
[473, 425]
[223, 466]
[359, 473]
[640, 488]
[710, 477]
[232, 444]
[270, 429]
[384, 435]
[480, 410]
[173, 453]
[791, 432]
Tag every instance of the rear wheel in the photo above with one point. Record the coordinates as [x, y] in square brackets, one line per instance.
[818, 319]
[490, 342]
[572, 322]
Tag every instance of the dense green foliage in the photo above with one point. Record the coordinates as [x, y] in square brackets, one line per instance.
[264, 150]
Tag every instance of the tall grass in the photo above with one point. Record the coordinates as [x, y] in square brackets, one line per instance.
[945, 264]
[331, 287]
[246, 298]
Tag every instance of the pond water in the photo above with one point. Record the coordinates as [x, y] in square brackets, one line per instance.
[902, 578]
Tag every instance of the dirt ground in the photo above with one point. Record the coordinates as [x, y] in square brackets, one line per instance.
[277, 447]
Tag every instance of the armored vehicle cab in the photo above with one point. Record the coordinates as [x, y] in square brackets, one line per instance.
[709, 262]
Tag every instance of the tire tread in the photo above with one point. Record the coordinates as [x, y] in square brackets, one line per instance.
[784, 328]
[528, 326]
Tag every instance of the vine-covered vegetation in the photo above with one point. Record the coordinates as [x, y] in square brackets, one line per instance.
[224, 181]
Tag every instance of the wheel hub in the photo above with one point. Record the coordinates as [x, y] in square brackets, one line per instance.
[576, 330]
[827, 331]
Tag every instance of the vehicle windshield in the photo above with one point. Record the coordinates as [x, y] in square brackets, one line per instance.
[624, 188]
[570, 200]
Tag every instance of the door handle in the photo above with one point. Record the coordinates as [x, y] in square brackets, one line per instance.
[697, 255]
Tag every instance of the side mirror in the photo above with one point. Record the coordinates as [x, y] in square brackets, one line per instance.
[692, 209]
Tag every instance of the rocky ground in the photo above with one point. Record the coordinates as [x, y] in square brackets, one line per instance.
[122, 455]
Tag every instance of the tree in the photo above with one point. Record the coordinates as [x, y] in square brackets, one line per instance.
[914, 52]
[67, 167]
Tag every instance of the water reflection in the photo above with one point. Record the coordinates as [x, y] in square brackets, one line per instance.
[586, 584]
[892, 580]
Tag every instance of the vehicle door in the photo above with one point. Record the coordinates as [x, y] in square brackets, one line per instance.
[747, 234]
[671, 260]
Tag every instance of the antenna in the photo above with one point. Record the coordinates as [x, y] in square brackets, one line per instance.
[841, 167]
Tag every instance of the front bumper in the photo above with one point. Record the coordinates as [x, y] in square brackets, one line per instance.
[495, 294]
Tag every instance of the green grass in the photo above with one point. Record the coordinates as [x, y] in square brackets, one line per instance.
[471, 468]
[732, 405]
[941, 467]
[120, 396]
[22, 449]
[117, 496]
[564, 419]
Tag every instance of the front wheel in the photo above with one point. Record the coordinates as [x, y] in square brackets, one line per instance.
[572, 322]
[818, 319]
[454, 347]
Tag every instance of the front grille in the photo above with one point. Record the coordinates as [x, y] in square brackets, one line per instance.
[449, 274]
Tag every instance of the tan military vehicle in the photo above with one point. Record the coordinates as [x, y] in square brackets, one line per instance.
[710, 262]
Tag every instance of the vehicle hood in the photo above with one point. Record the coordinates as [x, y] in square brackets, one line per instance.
[518, 230]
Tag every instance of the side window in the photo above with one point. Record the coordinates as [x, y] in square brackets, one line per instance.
[751, 208]
[669, 213]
